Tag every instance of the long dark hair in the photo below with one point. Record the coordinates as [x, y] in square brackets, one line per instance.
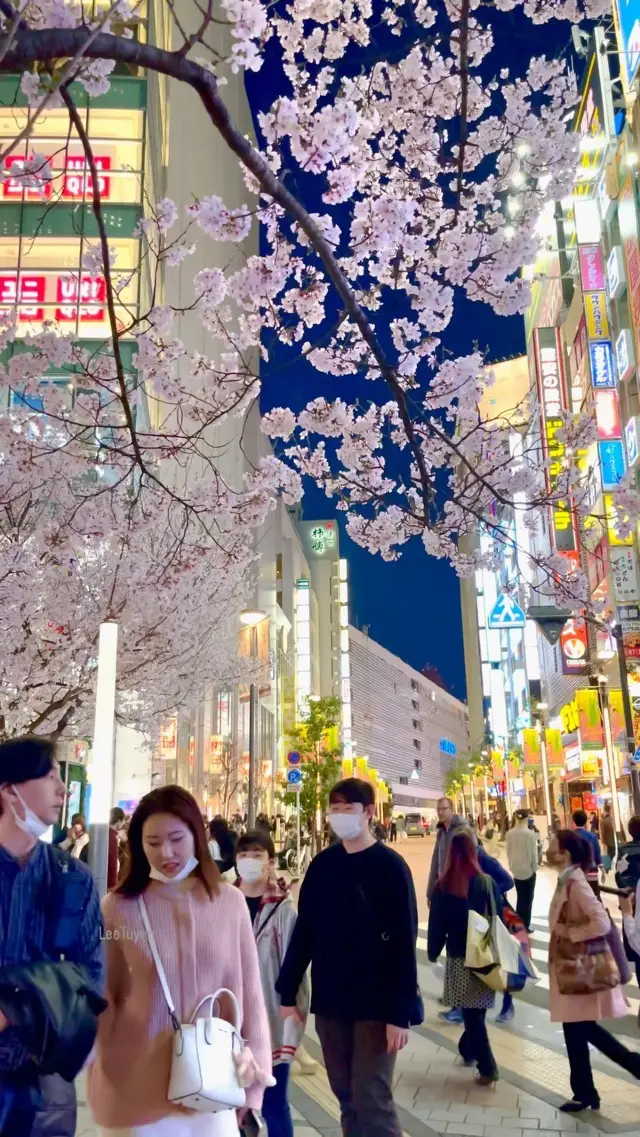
[461, 866]
[219, 831]
[179, 803]
[577, 846]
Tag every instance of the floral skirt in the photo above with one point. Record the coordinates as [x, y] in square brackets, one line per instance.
[463, 989]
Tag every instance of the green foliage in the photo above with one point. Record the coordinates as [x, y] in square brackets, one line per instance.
[321, 758]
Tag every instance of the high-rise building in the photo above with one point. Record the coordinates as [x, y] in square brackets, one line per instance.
[409, 728]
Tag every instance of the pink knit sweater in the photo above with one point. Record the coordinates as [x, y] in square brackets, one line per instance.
[203, 945]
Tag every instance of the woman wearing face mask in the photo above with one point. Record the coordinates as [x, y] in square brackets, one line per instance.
[577, 916]
[273, 917]
[205, 942]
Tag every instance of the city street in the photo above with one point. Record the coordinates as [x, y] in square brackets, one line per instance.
[438, 1097]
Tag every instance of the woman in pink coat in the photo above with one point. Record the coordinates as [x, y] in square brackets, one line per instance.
[577, 915]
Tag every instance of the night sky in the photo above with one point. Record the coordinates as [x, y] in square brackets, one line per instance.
[411, 606]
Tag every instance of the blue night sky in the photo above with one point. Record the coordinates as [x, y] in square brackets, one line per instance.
[411, 606]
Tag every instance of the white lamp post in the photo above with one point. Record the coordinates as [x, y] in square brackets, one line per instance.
[101, 770]
[250, 618]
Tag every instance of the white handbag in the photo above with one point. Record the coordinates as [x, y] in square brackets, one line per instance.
[203, 1070]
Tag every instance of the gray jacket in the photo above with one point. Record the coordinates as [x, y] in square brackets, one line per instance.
[439, 858]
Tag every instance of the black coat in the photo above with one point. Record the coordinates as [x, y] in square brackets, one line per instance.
[449, 916]
[55, 1006]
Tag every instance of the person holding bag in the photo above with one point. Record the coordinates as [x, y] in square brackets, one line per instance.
[584, 975]
[184, 988]
[463, 888]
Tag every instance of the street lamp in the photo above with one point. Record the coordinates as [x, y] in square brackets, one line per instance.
[101, 772]
[250, 618]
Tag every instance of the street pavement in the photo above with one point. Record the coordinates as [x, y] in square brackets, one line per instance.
[436, 1096]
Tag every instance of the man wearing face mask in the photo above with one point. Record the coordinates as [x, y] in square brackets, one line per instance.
[357, 909]
[50, 950]
[273, 917]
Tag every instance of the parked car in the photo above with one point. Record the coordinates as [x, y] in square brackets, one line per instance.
[414, 825]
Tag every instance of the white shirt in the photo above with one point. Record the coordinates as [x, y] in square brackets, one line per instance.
[522, 852]
[632, 925]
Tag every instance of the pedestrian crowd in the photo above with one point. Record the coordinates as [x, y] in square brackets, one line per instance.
[185, 993]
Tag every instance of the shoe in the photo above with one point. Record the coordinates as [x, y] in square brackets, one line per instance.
[454, 1016]
[307, 1064]
[506, 1016]
[486, 1079]
[466, 1062]
[577, 1106]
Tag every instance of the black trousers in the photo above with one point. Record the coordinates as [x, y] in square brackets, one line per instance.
[577, 1037]
[360, 1073]
[524, 907]
[474, 1045]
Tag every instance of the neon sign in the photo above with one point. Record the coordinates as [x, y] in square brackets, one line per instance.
[77, 182]
[71, 291]
[31, 296]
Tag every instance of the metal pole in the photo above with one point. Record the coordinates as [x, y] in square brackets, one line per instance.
[486, 799]
[298, 829]
[251, 805]
[628, 718]
[545, 775]
[609, 751]
[101, 771]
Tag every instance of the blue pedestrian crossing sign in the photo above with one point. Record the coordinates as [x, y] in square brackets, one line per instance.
[294, 778]
[506, 613]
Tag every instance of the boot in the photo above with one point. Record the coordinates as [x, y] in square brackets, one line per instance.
[303, 1063]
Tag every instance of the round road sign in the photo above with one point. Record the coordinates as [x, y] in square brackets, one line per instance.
[294, 758]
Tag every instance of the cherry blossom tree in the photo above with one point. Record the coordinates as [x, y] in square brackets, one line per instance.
[378, 178]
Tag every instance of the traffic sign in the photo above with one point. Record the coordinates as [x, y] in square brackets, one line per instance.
[506, 613]
[294, 758]
[636, 757]
[294, 779]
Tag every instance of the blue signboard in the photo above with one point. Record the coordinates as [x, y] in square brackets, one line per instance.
[294, 778]
[506, 613]
[628, 12]
[603, 372]
[611, 462]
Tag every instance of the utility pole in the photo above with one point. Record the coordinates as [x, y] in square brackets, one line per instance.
[611, 773]
[628, 717]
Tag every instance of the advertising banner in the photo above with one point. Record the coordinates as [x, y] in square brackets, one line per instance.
[574, 646]
[531, 747]
[590, 766]
[595, 308]
[627, 13]
[555, 753]
[552, 400]
[603, 372]
[629, 234]
[591, 729]
[618, 728]
[591, 268]
[624, 571]
[612, 466]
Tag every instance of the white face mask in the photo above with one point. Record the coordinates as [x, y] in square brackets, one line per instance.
[348, 826]
[250, 870]
[30, 823]
[191, 864]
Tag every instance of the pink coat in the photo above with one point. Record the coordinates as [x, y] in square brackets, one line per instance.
[204, 945]
[582, 908]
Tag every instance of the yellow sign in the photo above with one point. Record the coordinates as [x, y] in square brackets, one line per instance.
[569, 716]
[611, 515]
[347, 767]
[595, 310]
[589, 766]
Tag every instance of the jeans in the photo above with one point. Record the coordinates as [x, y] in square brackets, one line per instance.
[524, 907]
[360, 1073]
[474, 1046]
[275, 1107]
[507, 1002]
[577, 1037]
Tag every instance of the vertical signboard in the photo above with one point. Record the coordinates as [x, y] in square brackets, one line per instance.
[629, 235]
[627, 16]
[552, 398]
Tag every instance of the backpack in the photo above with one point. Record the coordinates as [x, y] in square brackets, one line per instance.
[69, 896]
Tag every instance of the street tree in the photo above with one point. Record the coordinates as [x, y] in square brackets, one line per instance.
[315, 740]
[377, 178]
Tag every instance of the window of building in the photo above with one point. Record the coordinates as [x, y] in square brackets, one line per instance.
[417, 763]
[417, 725]
[404, 781]
[415, 705]
[417, 744]
[415, 686]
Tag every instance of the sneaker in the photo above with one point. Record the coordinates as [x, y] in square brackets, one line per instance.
[506, 1016]
[453, 1016]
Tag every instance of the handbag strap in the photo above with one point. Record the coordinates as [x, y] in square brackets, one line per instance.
[158, 962]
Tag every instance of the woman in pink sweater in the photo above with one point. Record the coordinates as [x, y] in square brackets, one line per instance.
[205, 942]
